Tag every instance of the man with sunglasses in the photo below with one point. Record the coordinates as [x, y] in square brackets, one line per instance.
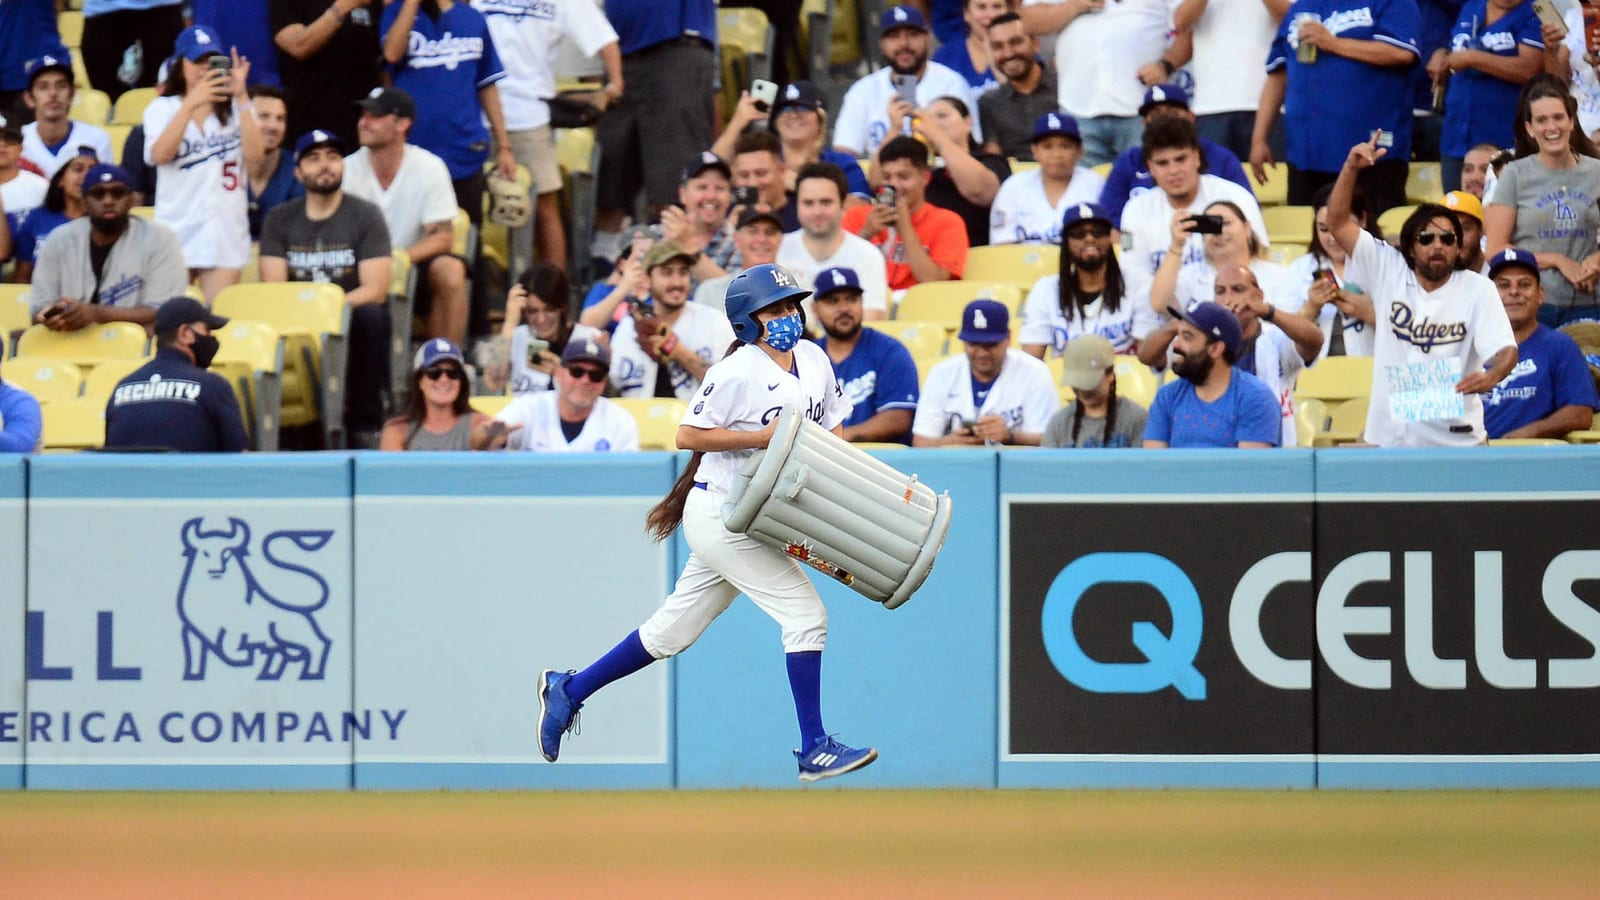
[1089, 296]
[108, 266]
[172, 402]
[573, 418]
[1443, 337]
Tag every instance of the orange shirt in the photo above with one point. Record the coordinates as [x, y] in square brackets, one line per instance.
[942, 232]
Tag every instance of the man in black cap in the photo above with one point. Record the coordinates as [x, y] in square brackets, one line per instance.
[172, 402]
[758, 236]
[330, 237]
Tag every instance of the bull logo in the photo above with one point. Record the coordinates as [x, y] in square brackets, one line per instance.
[228, 613]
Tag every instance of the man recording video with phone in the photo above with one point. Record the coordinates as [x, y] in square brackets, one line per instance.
[907, 78]
[919, 241]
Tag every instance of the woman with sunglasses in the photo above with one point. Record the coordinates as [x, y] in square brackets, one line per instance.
[1088, 297]
[769, 368]
[437, 414]
[537, 310]
[1544, 201]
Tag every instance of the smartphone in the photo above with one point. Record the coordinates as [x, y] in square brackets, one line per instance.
[764, 93]
[886, 196]
[1549, 15]
[220, 63]
[906, 87]
[1204, 224]
[536, 347]
[1381, 138]
[54, 311]
[744, 196]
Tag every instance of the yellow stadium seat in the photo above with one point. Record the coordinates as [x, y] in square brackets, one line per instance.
[48, 380]
[1289, 224]
[87, 347]
[490, 404]
[250, 355]
[75, 424]
[943, 301]
[129, 108]
[1392, 220]
[1283, 254]
[402, 300]
[1346, 422]
[579, 158]
[658, 419]
[144, 212]
[1135, 380]
[747, 30]
[119, 139]
[1022, 165]
[1276, 191]
[1021, 264]
[1336, 378]
[1526, 442]
[1592, 436]
[1065, 394]
[928, 342]
[69, 24]
[1424, 184]
[1310, 417]
[1102, 170]
[103, 379]
[91, 106]
[461, 235]
[313, 318]
[15, 313]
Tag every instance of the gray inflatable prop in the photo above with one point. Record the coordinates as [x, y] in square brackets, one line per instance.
[829, 504]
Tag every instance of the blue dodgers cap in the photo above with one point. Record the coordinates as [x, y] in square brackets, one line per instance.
[1085, 212]
[1513, 256]
[586, 350]
[198, 42]
[440, 350]
[836, 279]
[1159, 94]
[985, 322]
[902, 17]
[316, 138]
[1055, 123]
[55, 57]
[106, 173]
[1214, 321]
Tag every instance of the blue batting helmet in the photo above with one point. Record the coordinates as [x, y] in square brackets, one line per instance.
[757, 288]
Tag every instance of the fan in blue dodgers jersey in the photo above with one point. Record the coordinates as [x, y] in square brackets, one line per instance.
[769, 368]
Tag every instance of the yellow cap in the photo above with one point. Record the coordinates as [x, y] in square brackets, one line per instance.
[1463, 202]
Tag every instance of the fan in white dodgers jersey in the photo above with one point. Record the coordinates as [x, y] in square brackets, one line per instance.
[1088, 296]
[1029, 205]
[202, 134]
[1436, 323]
[771, 368]
[991, 394]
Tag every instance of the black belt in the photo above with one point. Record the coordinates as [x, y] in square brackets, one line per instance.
[680, 40]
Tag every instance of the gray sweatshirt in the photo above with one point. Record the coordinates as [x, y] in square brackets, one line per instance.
[145, 267]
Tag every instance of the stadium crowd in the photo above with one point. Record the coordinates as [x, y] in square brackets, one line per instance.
[1068, 223]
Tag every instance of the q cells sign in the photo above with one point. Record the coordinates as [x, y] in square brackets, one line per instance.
[1203, 627]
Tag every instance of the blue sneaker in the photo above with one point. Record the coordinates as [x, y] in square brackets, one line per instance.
[829, 758]
[557, 713]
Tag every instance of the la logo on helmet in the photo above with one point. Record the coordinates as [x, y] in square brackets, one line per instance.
[781, 278]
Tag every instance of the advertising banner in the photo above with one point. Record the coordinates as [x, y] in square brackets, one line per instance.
[474, 574]
[188, 624]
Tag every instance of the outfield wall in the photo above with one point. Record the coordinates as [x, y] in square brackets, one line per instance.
[1298, 619]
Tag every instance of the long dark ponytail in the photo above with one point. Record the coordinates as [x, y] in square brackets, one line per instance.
[1073, 300]
[1111, 417]
[665, 517]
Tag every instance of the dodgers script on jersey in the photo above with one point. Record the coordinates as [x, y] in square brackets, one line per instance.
[863, 123]
[1460, 325]
[700, 328]
[609, 428]
[746, 390]
[1022, 214]
[1024, 395]
[1044, 323]
[202, 190]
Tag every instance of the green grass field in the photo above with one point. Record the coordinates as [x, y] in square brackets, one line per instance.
[809, 843]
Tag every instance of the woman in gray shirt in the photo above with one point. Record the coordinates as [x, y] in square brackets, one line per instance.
[438, 414]
[1545, 201]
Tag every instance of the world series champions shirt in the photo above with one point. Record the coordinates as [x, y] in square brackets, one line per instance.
[329, 251]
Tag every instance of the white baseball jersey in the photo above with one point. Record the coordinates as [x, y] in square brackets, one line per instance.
[1044, 323]
[50, 161]
[420, 194]
[525, 34]
[1022, 214]
[1098, 56]
[1024, 395]
[1278, 364]
[1147, 229]
[700, 328]
[202, 193]
[609, 428]
[23, 192]
[525, 380]
[1460, 326]
[1227, 32]
[855, 253]
[1293, 292]
[745, 391]
[863, 123]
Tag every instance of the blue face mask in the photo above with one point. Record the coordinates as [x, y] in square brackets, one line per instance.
[784, 333]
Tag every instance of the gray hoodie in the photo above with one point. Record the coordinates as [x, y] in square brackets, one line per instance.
[145, 267]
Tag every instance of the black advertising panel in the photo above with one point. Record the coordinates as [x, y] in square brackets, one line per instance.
[1120, 635]
[1458, 627]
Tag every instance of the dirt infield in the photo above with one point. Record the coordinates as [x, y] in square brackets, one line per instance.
[769, 844]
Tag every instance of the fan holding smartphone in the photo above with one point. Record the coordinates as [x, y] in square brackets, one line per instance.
[879, 106]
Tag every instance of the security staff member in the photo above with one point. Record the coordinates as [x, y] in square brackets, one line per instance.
[173, 402]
